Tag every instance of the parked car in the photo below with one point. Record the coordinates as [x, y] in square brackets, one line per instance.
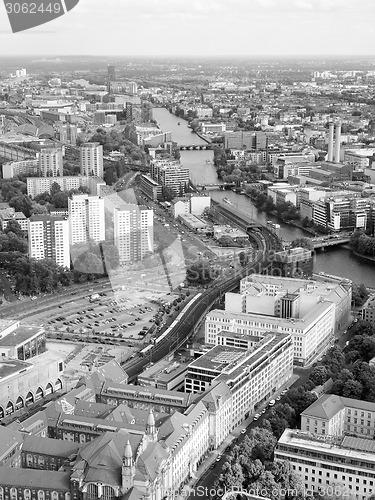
[243, 431]
[256, 416]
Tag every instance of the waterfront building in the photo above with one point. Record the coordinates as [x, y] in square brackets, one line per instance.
[170, 174]
[49, 239]
[151, 188]
[292, 263]
[91, 159]
[86, 218]
[368, 310]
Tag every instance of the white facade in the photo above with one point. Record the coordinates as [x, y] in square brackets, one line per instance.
[310, 334]
[329, 462]
[51, 162]
[14, 168]
[86, 218]
[91, 159]
[49, 239]
[252, 375]
[133, 232]
[39, 185]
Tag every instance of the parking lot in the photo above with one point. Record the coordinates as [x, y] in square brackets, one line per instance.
[111, 318]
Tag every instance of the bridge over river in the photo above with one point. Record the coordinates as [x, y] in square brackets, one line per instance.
[329, 241]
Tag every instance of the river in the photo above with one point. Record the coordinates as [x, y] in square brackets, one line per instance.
[339, 261]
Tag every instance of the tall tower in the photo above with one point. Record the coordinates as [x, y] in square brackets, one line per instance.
[111, 75]
[86, 218]
[49, 239]
[91, 159]
[51, 162]
[330, 141]
[338, 141]
[133, 232]
[128, 469]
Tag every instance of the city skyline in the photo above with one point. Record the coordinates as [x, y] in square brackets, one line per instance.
[213, 28]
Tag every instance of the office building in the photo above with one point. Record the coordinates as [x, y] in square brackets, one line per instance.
[292, 263]
[252, 375]
[310, 311]
[49, 239]
[86, 218]
[133, 232]
[51, 162]
[335, 415]
[328, 462]
[170, 174]
[91, 159]
[335, 446]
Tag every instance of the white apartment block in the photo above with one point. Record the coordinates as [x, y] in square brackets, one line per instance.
[51, 162]
[91, 159]
[86, 218]
[39, 185]
[49, 239]
[252, 375]
[133, 232]
[14, 168]
[342, 464]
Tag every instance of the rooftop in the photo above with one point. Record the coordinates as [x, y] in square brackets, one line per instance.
[20, 335]
[34, 478]
[12, 367]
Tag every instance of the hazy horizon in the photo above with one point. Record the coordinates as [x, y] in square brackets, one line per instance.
[201, 28]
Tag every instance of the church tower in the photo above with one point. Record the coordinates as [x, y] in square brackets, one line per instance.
[128, 468]
[151, 430]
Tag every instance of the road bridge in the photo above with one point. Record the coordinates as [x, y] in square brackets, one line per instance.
[195, 146]
[330, 241]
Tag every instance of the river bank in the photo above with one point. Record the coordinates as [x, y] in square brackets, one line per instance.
[364, 257]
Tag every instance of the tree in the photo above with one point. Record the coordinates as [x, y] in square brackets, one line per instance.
[21, 203]
[200, 273]
[14, 227]
[55, 188]
[319, 375]
[352, 389]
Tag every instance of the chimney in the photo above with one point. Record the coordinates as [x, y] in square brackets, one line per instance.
[330, 141]
[337, 141]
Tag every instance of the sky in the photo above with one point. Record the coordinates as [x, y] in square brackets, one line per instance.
[200, 27]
